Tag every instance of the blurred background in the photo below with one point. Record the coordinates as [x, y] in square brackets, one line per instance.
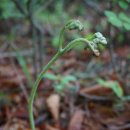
[83, 89]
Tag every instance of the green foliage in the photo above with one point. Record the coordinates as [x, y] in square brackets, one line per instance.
[24, 66]
[8, 10]
[50, 76]
[61, 82]
[121, 20]
[124, 4]
[55, 41]
[52, 16]
[113, 85]
[74, 25]
[113, 19]
[90, 36]
[93, 45]
[125, 21]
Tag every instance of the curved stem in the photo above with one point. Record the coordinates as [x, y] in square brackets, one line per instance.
[60, 52]
[76, 42]
[35, 86]
[61, 38]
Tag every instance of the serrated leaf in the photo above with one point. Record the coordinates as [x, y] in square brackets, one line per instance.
[123, 4]
[110, 14]
[113, 85]
[113, 19]
[124, 17]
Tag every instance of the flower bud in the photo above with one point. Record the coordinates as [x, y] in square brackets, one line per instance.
[101, 38]
[95, 40]
[74, 24]
[98, 35]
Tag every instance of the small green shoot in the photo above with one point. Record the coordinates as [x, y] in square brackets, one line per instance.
[113, 85]
[92, 44]
[61, 83]
[24, 66]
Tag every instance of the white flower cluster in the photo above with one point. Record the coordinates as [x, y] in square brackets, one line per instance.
[99, 38]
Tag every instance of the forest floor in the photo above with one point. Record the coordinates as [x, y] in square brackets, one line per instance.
[89, 107]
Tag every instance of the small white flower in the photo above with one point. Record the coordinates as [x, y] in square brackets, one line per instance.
[100, 38]
[98, 35]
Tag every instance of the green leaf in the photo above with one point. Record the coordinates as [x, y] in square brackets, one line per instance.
[55, 41]
[67, 79]
[126, 26]
[123, 4]
[24, 66]
[90, 37]
[113, 85]
[110, 14]
[113, 19]
[59, 88]
[124, 17]
[115, 22]
[50, 76]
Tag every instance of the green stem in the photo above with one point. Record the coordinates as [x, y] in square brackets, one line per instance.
[61, 38]
[77, 42]
[35, 86]
[60, 52]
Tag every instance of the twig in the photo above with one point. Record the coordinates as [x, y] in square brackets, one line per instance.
[95, 98]
[126, 126]
[14, 54]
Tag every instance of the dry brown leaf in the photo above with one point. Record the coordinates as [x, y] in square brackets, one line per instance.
[53, 102]
[48, 127]
[76, 121]
[8, 77]
[16, 124]
[96, 90]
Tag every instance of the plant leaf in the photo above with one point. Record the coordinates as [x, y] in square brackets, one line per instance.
[123, 4]
[113, 85]
[67, 79]
[126, 26]
[24, 66]
[113, 19]
[50, 76]
[124, 17]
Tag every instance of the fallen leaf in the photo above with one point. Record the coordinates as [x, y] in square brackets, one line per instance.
[53, 102]
[76, 121]
[96, 90]
[48, 127]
